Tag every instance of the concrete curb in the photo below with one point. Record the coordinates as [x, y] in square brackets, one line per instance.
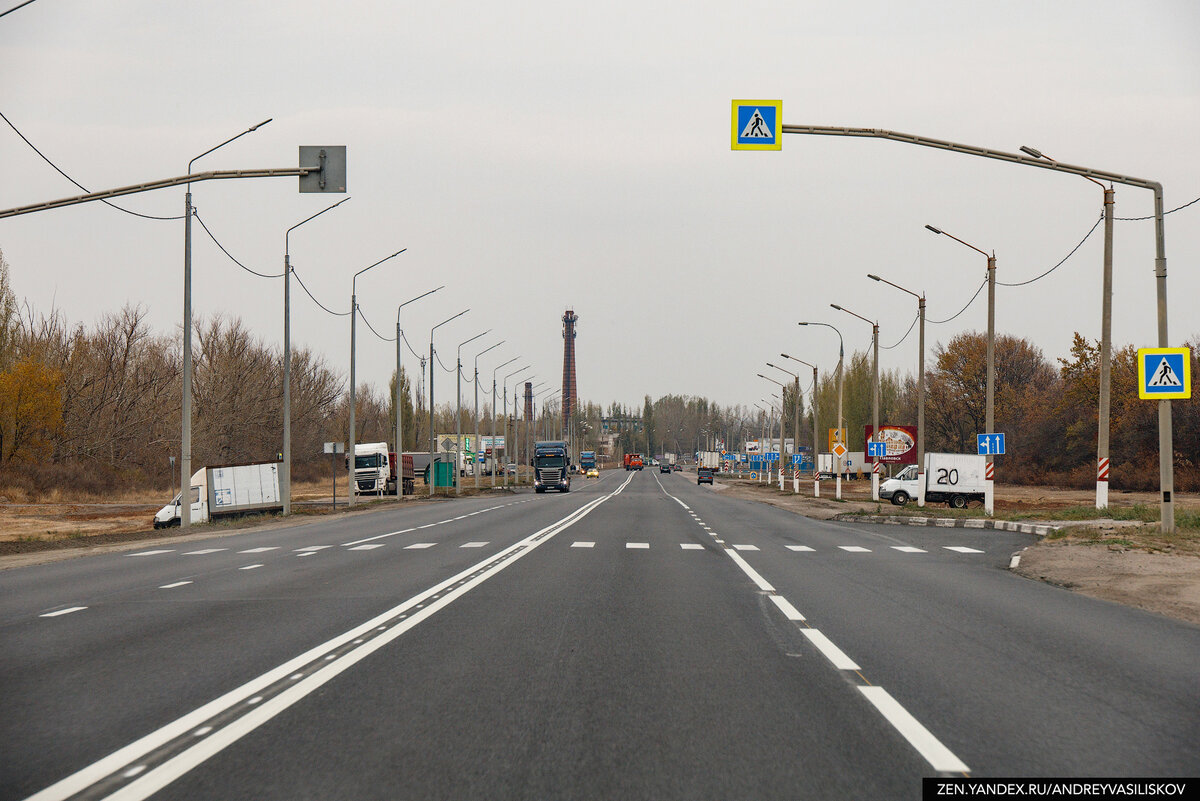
[1039, 529]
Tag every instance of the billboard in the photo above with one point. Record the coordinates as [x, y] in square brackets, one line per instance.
[901, 443]
[835, 436]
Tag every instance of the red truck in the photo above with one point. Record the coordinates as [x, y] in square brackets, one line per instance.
[633, 461]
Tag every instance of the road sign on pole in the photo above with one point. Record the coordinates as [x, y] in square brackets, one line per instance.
[839, 449]
[1164, 373]
[989, 444]
[876, 449]
[757, 125]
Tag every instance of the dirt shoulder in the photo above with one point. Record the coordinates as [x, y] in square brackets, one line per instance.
[1125, 561]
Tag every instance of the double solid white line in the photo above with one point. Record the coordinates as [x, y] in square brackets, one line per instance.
[306, 677]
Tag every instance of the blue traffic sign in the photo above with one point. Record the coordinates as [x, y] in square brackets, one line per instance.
[1164, 373]
[773, 456]
[989, 444]
[876, 449]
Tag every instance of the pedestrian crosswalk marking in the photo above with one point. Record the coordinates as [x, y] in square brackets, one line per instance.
[799, 548]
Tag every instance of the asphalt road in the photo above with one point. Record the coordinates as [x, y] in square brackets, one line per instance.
[639, 637]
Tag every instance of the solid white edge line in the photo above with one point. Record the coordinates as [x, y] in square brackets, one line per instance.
[937, 755]
[762, 583]
[86, 777]
[831, 651]
[789, 611]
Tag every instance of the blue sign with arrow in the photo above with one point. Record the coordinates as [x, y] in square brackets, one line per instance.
[989, 444]
[876, 449]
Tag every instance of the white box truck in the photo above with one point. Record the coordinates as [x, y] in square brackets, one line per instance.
[225, 490]
[374, 470]
[954, 479]
[710, 459]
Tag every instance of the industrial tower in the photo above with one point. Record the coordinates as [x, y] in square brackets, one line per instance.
[569, 392]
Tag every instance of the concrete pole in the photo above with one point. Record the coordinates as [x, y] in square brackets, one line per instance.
[185, 457]
[350, 448]
[921, 403]
[816, 441]
[285, 469]
[875, 410]
[796, 436]
[1166, 453]
[458, 449]
[989, 495]
[1105, 357]
[841, 370]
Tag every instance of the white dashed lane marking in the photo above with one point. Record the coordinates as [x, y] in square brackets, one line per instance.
[854, 549]
[173, 586]
[416, 546]
[205, 551]
[583, 545]
[691, 546]
[370, 546]
[961, 549]
[250, 567]
[152, 553]
[473, 545]
[637, 545]
[66, 611]
[909, 549]
[261, 550]
[803, 548]
[745, 547]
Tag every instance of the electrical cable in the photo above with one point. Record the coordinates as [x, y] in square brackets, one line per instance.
[373, 331]
[196, 214]
[1165, 213]
[69, 178]
[1064, 259]
[964, 308]
[906, 333]
[314, 298]
[410, 347]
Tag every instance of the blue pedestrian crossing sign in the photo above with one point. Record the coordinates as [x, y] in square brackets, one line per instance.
[757, 125]
[989, 444]
[1164, 373]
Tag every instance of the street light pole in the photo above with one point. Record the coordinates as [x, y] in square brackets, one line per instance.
[458, 448]
[795, 423]
[285, 477]
[1166, 464]
[840, 423]
[782, 389]
[874, 397]
[816, 447]
[353, 317]
[1104, 412]
[504, 392]
[432, 430]
[185, 456]
[989, 495]
[496, 450]
[396, 400]
[478, 449]
[920, 386]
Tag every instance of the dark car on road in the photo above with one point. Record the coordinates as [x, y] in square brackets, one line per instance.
[664, 467]
[704, 475]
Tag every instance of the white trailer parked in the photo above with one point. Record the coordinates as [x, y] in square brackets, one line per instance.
[955, 479]
[226, 490]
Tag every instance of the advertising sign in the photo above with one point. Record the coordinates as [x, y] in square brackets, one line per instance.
[834, 436]
[901, 442]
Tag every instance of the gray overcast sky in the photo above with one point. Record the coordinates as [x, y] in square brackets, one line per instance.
[535, 156]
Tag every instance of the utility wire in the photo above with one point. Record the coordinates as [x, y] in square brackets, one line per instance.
[314, 298]
[438, 356]
[906, 333]
[1151, 217]
[63, 174]
[196, 214]
[410, 347]
[964, 308]
[14, 8]
[373, 331]
[1061, 263]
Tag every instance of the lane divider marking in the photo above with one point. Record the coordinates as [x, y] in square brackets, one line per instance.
[920, 738]
[174, 751]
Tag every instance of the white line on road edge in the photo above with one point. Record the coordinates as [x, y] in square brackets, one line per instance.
[785, 606]
[919, 737]
[184, 761]
[762, 583]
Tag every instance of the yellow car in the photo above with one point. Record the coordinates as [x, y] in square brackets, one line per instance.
[593, 473]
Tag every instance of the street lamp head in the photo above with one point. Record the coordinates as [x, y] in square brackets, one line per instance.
[801, 323]
[1032, 151]
[873, 277]
[931, 228]
[261, 124]
[834, 305]
[784, 355]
